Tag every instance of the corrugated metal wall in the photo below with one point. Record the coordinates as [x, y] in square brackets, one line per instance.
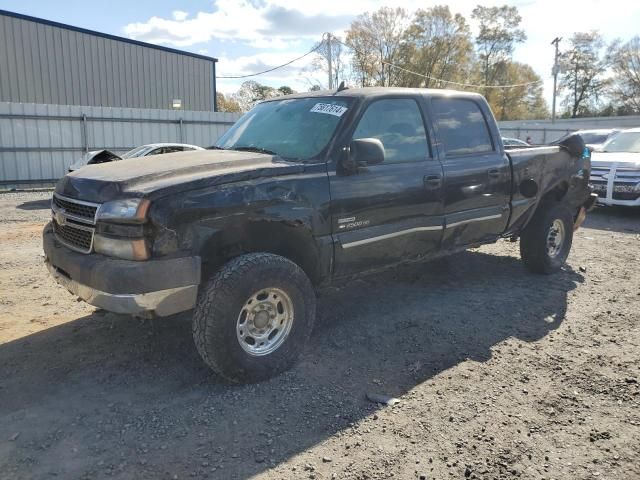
[39, 142]
[544, 131]
[46, 64]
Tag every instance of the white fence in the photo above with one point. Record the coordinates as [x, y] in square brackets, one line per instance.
[39, 142]
[543, 131]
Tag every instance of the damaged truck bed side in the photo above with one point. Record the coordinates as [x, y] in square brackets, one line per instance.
[303, 191]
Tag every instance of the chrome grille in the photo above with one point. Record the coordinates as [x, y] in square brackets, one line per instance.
[625, 195]
[79, 239]
[74, 222]
[598, 172]
[83, 211]
[620, 182]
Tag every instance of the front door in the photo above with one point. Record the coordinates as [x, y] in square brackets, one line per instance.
[390, 212]
[476, 171]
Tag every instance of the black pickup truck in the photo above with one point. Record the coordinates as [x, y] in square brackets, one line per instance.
[301, 192]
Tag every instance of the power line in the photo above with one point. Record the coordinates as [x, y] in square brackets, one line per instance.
[336, 39]
[440, 79]
[275, 68]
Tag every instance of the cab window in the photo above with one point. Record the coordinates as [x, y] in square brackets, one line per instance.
[398, 124]
[462, 127]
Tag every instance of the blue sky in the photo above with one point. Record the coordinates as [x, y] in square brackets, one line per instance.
[252, 35]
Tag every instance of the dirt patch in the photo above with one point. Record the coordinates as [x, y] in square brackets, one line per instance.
[499, 373]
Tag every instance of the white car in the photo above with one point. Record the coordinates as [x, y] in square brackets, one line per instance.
[102, 156]
[615, 170]
[594, 139]
[514, 142]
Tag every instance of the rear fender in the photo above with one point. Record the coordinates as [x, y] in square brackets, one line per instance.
[559, 175]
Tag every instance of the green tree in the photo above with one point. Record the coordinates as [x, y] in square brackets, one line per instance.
[583, 76]
[437, 44]
[375, 40]
[497, 37]
[284, 90]
[521, 102]
[226, 104]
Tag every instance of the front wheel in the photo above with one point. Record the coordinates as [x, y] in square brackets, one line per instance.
[545, 243]
[254, 317]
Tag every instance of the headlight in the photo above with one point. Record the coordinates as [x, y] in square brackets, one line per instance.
[129, 210]
[127, 249]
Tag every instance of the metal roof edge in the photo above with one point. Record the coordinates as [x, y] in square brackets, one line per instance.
[64, 26]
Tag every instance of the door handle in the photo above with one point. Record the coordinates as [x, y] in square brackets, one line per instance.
[493, 173]
[432, 181]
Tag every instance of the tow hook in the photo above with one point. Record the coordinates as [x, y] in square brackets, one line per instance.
[582, 214]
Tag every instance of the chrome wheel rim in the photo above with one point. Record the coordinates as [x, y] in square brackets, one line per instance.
[265, 321]
[555, 238]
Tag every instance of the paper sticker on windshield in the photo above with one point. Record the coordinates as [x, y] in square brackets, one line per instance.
[329, 109]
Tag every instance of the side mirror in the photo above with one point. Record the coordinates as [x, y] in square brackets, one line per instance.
[366, 151]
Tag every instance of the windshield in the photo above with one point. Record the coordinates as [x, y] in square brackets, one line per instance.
[136, 152]
[293, 129]
[623, 142]
[594, 137]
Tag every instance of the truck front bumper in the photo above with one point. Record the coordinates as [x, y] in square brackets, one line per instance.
[154, 287]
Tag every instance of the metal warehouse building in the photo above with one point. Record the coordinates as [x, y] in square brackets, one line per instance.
[66, 91]
[46, 62]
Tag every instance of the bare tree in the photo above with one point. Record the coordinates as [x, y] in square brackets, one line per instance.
[497, 37]
[375, 39]
[625, 63]
[251, 92]
[436, 44]
[338, 63]
[583, 79]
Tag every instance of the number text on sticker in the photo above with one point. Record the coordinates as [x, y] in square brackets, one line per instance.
[329, 109]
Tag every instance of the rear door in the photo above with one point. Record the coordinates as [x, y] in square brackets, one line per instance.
[477, 175]
[390, 212]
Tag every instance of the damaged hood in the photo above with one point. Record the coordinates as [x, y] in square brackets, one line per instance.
[162, 174]
[97, 156]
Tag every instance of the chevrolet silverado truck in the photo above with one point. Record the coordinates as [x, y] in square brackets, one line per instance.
[302, 192]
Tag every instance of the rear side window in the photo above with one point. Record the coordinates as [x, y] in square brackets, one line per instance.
[398, 124]
[461, 126]
[173, 149]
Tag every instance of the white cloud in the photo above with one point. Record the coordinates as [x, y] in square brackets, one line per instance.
[233, 20]
[179, 15]
[282, 26]
[263, 25]
[300, 75]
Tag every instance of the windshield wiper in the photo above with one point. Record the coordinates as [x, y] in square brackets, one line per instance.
[254, 149]
[215, 147]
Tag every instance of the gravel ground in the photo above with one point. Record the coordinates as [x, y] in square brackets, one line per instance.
[499, 374]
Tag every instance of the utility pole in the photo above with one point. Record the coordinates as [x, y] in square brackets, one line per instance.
[555, 71]
[329, 60]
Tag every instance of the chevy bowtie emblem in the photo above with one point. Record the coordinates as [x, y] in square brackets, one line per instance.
[61, 219]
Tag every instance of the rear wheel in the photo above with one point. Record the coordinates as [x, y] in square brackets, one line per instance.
[254, 317]
[546, 242]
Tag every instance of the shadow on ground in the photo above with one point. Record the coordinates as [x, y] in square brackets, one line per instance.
[43, 204]
[107, 396]
[614, 219]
